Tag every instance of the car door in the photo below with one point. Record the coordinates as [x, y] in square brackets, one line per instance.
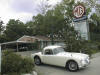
[53, 59]
[59, 60]
[47, 56]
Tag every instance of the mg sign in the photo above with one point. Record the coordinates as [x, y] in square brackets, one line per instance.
[80, 21]
[79, 11]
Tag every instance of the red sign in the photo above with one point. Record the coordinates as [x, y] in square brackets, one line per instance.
[79, 11]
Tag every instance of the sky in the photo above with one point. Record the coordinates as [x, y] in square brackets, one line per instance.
[20, 9]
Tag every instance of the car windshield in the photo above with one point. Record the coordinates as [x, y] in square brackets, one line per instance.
[58, 50]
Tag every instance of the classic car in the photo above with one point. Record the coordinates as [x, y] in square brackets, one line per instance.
[55, 55]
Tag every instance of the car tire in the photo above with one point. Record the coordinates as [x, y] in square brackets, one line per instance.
[37, 60]
[72, 66]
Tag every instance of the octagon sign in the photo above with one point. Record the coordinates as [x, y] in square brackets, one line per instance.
[79, 11]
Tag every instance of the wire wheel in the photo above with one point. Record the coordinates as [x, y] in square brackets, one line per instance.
[37, 60]
[72, 66]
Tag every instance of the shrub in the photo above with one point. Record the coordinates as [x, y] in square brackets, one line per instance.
[27, 64]
[99, 46]
[87, 47]
[13, 63]
[90, 47]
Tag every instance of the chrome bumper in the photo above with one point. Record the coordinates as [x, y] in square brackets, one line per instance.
[85, 64]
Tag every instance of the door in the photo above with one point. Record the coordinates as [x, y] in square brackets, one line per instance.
[53, 59]
[47, 57]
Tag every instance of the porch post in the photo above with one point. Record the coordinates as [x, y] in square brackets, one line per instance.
[5, 46]
[0, 57]
[17, 46]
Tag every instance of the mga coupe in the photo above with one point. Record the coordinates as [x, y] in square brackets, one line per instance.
[55, 55]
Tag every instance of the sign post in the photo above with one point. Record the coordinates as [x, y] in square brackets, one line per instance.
[80, 21]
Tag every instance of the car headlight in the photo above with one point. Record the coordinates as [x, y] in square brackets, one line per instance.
[85, 61]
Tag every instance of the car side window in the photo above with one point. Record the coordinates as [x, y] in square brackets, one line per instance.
[55, 51]
[48, 52]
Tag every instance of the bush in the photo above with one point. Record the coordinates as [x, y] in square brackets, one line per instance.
[87, 47]
[27, 65]
[99, 46]
[90, 47]
[14, 64]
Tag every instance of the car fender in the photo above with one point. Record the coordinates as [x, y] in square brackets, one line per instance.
[76, 60]
[39, 54]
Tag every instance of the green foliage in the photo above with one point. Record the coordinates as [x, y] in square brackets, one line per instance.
[27, 65]
[48, 23]
[33, 46]
[94, 25]
[58, 23]
[30, 28]
[1, 26]
[16, 28]
[99, 46]
[89, 47]
[13, 63]
[3, 38]
[67, 33]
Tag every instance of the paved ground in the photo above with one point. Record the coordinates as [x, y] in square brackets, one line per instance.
[92, 69]
[27, 53]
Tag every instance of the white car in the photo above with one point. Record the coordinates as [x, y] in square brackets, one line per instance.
[55, 55]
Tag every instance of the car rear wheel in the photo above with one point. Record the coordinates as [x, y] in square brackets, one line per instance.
[72, 66]
[37, 61]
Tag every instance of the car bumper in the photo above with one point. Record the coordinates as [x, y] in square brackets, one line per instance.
[84, 64]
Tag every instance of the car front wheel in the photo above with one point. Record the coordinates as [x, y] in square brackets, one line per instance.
[72, 66]
[37, 61]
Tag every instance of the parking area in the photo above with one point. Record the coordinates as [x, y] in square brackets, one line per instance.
[92, 69]
[27, 53]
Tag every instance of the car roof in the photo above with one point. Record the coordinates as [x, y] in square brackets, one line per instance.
[51, 47]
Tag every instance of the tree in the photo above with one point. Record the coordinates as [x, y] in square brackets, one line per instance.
[94, 25]
[2, 37]
[95, 20]
[30, 28]
[71, 38]
[15, 29]
[93, 5]
[57, 22]
[48, 23]
[43, 6]
[94, 17]
[39, 24]
[1, 27]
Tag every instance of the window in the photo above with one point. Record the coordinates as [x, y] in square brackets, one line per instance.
[58, 50]
[48, 52]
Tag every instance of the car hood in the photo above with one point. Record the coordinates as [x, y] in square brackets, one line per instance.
[75, 55]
